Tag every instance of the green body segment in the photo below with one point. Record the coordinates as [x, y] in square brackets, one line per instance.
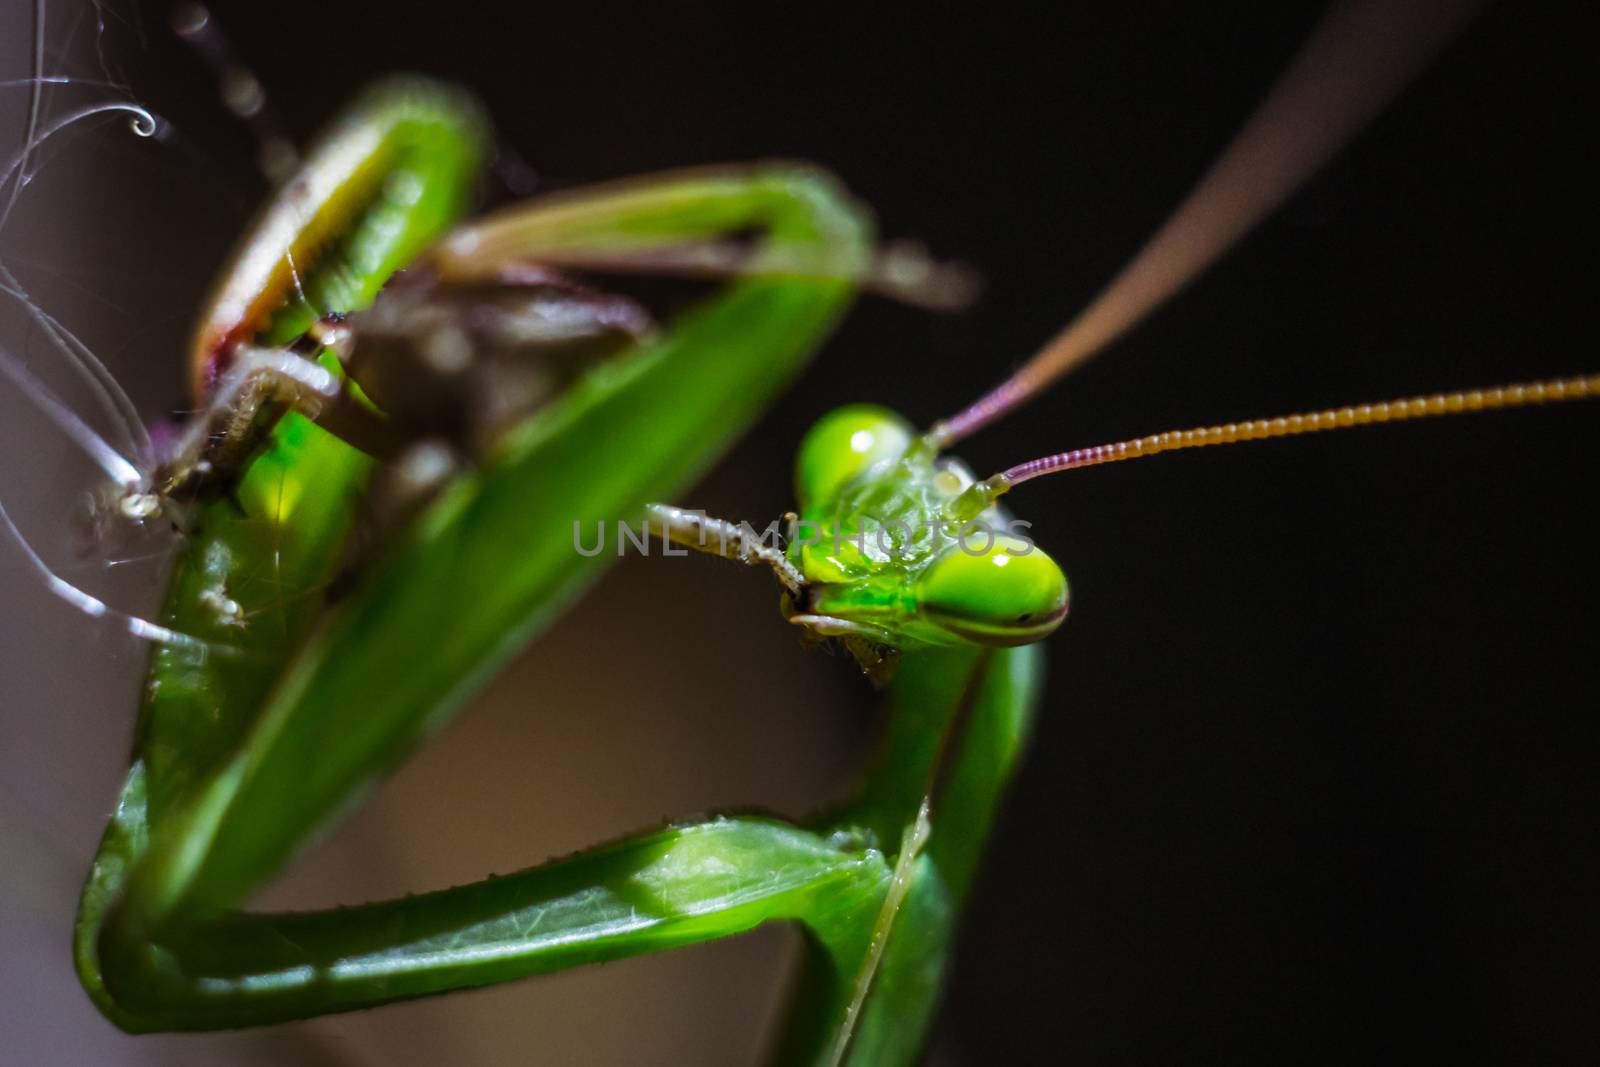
[242, 760]
[883, 546]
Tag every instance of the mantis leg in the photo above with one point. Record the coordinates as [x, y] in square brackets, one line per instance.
[657, 891]
[958, 721]
[634, 224]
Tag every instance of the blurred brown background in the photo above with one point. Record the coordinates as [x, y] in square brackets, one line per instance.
[1314, 777]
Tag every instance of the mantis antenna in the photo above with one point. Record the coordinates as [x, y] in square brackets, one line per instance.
[1360, 55]
[1462, 402]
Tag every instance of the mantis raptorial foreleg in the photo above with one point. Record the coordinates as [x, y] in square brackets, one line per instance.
[242, 760]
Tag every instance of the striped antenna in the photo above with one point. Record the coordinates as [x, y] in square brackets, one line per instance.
[1359, 56]
[1417, 407]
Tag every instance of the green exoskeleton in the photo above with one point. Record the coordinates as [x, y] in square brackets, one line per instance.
[299, 654]
[376, 503]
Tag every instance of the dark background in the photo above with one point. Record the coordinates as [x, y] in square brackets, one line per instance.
[1314, 777]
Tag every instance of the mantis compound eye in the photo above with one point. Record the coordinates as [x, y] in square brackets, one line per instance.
[1009, 594]
[843, 444]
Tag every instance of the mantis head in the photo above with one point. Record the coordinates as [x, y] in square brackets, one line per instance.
[892, 560]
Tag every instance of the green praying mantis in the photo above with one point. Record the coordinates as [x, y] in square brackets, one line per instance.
[290, 697]
[226, 717]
